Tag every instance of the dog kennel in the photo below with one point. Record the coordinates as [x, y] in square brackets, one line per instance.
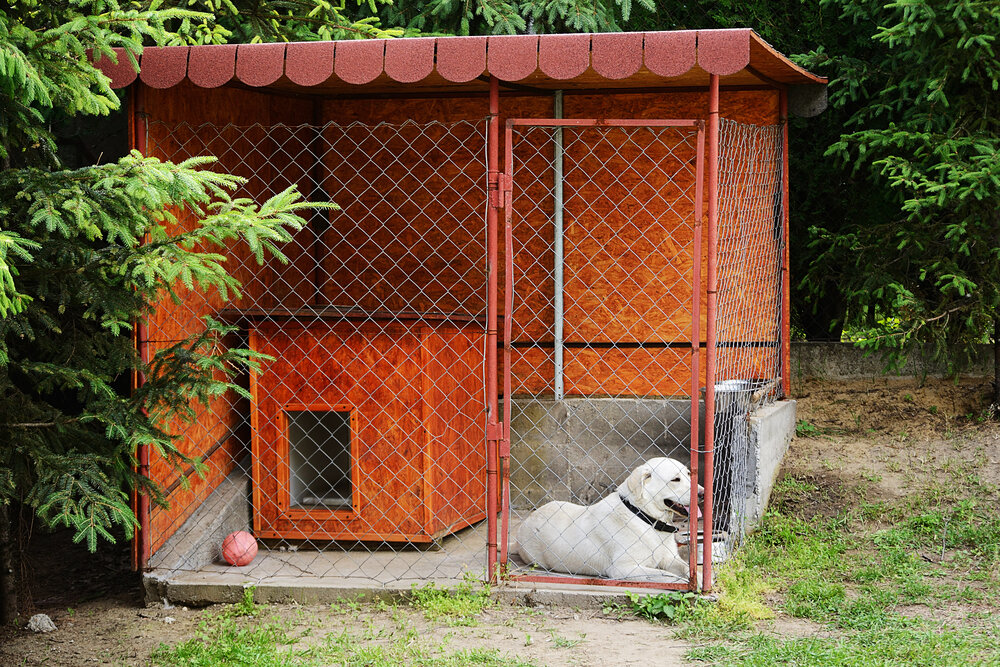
[550, 253]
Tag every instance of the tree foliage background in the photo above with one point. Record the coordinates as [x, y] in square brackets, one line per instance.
[923, 271]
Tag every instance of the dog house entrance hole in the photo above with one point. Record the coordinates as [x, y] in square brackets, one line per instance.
[319, 457]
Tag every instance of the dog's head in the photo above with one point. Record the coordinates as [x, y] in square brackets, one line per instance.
[661, 488]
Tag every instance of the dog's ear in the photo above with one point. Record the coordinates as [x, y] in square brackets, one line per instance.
[637, 482]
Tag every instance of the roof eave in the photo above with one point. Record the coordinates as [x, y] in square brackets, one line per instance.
[599, 60]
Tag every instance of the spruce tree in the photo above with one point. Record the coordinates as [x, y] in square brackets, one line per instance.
[85, 254]
[922, 274]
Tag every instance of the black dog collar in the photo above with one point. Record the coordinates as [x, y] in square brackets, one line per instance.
[661, 526]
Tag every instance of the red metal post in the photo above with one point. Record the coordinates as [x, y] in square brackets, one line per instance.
[493, 434]
[713, 243]
[696, 346]
[786, 290]
[141, 543]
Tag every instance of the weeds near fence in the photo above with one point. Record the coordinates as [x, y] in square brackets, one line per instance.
[455, 607]
[246, 607]
[669, 606]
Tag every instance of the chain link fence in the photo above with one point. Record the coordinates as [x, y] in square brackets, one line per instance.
[363, 440]
[361, 452]
[748, 321]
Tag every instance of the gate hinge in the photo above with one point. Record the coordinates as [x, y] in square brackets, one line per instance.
[505, 448]
[500, 186]
[494, 431]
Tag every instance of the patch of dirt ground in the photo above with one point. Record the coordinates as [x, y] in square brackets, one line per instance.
[889, 438]
[121, 632]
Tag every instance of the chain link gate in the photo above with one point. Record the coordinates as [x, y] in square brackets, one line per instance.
[364, 432]
[602, 343]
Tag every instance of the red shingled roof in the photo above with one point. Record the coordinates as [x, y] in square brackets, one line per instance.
[547, 61]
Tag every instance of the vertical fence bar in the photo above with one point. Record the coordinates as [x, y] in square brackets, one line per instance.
[786, 289]
[141, 548]
[492, 425]
[699, 196]
[508, 319]
[319, 220]
[713, 249]
[557, 250]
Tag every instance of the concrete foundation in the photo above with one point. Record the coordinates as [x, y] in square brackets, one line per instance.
[770, 431]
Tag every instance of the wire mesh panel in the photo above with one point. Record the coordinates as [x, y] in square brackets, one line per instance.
[601, 255]
[748, 320]
[363, 435]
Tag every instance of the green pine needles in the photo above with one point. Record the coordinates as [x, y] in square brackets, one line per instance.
[85, 254]
[924, 272]
[510, 17]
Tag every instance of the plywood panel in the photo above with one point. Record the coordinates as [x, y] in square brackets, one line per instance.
[744, 106]
[661, 372]
[411, 232]
[454, 416]
[750, 245]
[629, 234]
[628, 237]
[393, 376]
[532, 225]
[235, 126]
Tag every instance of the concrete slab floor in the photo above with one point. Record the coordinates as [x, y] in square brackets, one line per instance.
[318, 577]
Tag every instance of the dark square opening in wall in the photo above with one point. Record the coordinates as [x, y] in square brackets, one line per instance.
[319, 459]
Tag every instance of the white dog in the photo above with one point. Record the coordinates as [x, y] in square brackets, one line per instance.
[627, 535]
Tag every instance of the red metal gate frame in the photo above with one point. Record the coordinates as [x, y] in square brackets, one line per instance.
[502, 185]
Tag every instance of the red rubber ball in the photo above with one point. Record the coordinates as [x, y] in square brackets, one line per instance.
[239, 548]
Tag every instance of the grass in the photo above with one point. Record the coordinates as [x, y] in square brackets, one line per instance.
[854, 575]
[244, 634]
[876, 648]
[270, 643]
[460, 606]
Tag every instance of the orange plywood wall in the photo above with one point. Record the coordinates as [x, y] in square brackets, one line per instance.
[750, 249]
[175, 119]
[410, 177]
